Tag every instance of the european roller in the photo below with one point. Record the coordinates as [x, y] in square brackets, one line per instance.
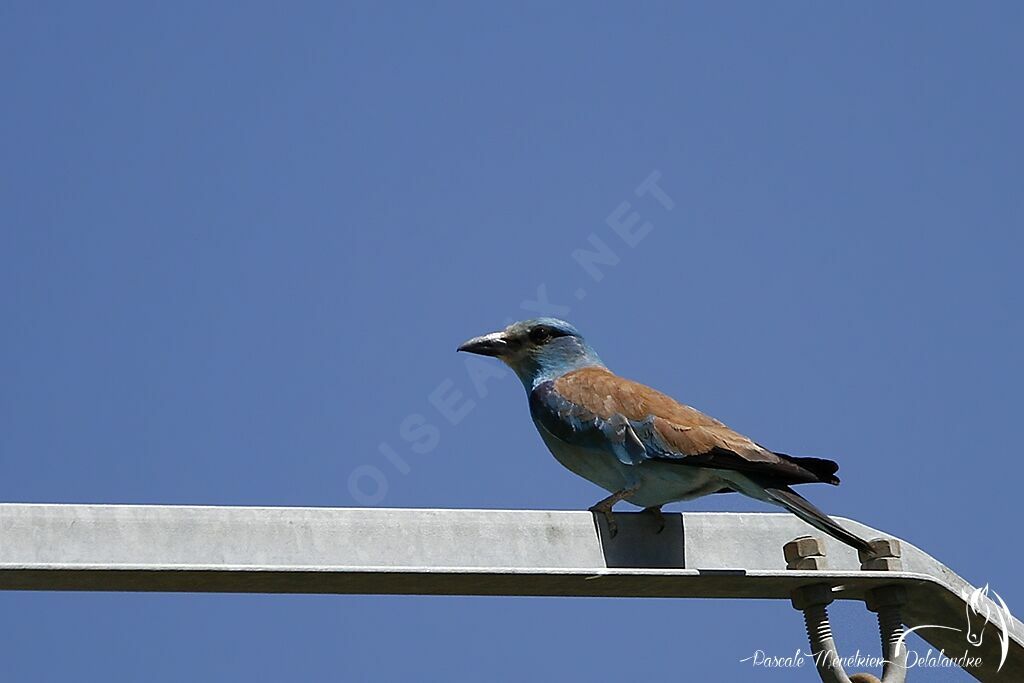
[637, 443]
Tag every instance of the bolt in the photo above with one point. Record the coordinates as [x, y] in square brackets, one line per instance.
[886, 601]
[805, 552]
[882, 597]
[884, 555]
[815, 595]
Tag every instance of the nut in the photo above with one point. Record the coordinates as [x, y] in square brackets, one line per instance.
[884, 555]
[882, 564]
[802, 548]
[885, 596]
[808, 563]
[881, 547]
[810, 596]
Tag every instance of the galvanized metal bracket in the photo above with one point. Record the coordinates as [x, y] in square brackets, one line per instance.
[808, 553]
[481, 552]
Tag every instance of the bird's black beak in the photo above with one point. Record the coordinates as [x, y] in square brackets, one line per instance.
[493, 344]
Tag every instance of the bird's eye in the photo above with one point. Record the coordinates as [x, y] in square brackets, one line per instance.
[540, 335]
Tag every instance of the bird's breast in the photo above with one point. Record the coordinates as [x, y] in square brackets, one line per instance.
[597, 466]
[660, 483]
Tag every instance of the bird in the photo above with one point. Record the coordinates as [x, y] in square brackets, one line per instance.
[639, 444]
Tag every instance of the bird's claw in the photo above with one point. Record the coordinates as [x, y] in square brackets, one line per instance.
[609, 519]
[613, 526]
[659, 518]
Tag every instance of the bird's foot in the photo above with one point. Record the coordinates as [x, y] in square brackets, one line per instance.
[609, 518]
[659, 518]
[605, 506]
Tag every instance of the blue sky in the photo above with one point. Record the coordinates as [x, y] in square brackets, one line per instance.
[238, 246]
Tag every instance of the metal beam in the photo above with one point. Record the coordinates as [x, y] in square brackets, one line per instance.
[461, 552]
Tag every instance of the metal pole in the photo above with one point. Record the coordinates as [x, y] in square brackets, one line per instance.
[463, 552]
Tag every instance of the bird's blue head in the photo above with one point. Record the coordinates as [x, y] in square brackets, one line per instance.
[537, 350]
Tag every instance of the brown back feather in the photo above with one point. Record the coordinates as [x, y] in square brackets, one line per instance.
[705, 440]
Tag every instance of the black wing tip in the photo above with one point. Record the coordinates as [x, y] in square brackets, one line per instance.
[822, 468]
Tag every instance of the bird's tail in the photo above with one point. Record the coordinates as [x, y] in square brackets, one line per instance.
[802, 508]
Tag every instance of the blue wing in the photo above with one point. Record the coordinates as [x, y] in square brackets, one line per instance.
[634, 441]
[631, 441]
